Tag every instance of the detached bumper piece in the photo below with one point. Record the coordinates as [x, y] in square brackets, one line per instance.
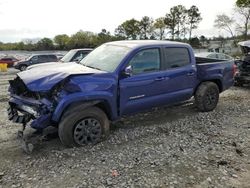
[242, 79]
[16, 118]
[25, 145]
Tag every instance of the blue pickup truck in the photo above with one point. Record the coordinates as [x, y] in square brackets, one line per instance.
[116, 79]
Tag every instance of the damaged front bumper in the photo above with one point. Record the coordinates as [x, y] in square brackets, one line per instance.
[23, 110]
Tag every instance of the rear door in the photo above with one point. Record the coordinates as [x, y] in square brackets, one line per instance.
[180, 74]
[51, 58]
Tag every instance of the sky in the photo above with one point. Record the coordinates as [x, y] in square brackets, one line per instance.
[22, 19]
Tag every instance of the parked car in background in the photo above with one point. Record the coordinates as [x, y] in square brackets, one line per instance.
[76, 55]
[8, 60]
[59, 56]
[214, 55]
[35, 59]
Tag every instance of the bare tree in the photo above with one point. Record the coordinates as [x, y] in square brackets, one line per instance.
[224, 22]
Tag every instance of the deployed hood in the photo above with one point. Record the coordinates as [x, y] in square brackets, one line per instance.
[43, 78]
[41, 64]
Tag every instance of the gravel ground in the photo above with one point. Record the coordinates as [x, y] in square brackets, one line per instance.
[167, 147]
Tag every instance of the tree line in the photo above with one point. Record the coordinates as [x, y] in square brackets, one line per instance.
[178, 24]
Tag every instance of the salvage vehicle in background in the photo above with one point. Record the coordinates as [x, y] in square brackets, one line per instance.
[75, 55]
[8, 60]
[35, 59]
[243, 75]
[116, 79]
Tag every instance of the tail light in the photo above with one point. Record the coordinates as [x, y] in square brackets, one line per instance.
[235, 70]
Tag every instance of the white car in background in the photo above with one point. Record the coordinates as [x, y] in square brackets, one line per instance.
[214, 55]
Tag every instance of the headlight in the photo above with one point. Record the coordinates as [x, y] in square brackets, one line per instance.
[29, 110]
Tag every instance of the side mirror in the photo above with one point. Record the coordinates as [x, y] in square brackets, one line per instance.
[128, 71]
[77, 60]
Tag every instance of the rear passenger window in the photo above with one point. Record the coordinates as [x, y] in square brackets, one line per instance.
[42, 58]
[176, 57]
[52, 57]
[146, 61]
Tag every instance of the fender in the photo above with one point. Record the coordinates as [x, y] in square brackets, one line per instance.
[109, 98]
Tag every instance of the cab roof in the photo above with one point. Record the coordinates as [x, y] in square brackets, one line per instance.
[144, 43]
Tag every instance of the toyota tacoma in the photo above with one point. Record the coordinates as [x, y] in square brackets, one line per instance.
[116, 79]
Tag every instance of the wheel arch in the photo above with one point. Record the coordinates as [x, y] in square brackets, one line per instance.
[102, 104]
[218, 82]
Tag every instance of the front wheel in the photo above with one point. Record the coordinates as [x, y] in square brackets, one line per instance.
[83, 126]
[207, 96]
[23, 67]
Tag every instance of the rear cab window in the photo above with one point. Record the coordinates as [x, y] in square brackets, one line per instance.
[176, 57]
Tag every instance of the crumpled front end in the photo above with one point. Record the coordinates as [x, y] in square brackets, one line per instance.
[26, 106]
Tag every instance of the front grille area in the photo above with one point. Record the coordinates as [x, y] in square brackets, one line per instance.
[17, 86]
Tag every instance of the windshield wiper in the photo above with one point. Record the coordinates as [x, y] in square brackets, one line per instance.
[92, 67]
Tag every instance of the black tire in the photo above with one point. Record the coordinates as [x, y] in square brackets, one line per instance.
[83, 126]
[207, 96]
[23, 67]
[238, 84]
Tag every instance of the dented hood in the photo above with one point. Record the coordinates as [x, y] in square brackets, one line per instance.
[43, 78]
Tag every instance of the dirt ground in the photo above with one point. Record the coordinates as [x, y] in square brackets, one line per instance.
[166, 147]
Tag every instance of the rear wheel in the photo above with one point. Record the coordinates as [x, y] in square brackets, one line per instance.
[238, 84]
[83, 126]
[207, 96]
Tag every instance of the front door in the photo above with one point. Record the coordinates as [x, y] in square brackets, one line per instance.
[140, 90]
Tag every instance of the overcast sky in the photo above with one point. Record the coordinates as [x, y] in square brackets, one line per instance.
[21, 19]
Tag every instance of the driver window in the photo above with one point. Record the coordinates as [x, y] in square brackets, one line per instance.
[34, 58]
[145, 61]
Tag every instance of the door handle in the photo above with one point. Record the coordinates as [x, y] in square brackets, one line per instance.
[190, 73]
[160, 79]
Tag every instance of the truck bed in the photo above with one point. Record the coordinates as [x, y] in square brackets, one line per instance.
[201, 60]
[210, 69]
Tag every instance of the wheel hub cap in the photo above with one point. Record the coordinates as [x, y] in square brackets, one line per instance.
[87, 131]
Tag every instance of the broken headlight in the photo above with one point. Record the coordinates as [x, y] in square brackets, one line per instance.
[29, 109]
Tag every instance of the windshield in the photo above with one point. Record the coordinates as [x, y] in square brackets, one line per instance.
[107, 57]
[68, 56]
